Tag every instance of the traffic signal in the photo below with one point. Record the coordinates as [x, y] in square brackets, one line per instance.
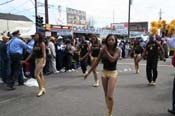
[39, 21]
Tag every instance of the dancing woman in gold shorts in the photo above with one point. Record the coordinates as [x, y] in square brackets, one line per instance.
[94, 51]
[39, 53]
[138, 50]
[109, 55]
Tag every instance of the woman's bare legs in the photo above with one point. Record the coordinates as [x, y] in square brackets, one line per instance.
[135, 63]
[109, 86]
[95, 78]
[137, 60]
[40, 78]
[95, 73]
[42, 81]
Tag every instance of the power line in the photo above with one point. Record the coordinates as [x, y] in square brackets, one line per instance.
[32, 2]
[24, 10]
[7, 2]
[16, 7]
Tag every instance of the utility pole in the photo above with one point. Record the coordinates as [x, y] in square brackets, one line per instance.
[160, 14]
[113, 16]
[46, 12]
[36, 15]
[129, 10]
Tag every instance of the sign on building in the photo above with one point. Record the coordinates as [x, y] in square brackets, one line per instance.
[120, 26]
[134, 26]
[75, 17]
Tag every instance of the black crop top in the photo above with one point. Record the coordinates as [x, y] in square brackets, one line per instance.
[107, 65]
[138, 49]
[95, 51]
[37, 51]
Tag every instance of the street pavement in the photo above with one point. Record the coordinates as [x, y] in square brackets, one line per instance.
[68, 94]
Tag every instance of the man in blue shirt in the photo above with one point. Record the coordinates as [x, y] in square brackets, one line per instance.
[15, 51]
[30, 45]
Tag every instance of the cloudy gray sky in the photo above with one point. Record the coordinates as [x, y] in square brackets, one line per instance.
[103, 12]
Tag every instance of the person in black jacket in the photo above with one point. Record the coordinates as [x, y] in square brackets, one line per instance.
[152, 54]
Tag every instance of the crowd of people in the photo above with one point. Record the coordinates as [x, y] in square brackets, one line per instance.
[41, 56]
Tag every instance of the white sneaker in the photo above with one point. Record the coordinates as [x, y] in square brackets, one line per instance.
[153, 83]
[57, 72]
[96, 84]
[69, 71]
[149, 83]
[62, 70]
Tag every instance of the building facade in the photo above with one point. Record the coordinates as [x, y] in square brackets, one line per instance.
[11, 22]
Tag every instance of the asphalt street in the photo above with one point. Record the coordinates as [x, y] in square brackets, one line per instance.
[68, 94]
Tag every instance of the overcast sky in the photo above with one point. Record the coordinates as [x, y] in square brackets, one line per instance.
[102, 11]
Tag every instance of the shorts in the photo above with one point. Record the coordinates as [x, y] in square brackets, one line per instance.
[93, 60]
[39, 61]
[109, 74]
[137, 55]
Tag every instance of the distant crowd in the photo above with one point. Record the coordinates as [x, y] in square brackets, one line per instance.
[62, 54]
